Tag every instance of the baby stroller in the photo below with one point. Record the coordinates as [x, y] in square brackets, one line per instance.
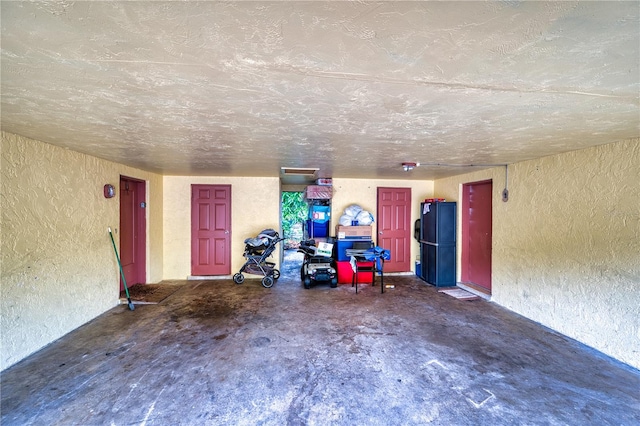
[256, 251]
[316, 268]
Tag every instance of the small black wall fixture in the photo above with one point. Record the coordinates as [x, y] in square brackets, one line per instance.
[505, 191]
[109, 191]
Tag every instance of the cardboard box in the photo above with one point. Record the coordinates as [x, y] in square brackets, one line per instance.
[318, 192]
[360, 232]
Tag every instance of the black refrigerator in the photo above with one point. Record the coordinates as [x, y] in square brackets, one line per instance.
[438, 243]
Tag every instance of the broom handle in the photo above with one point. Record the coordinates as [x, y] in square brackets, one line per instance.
[124, 280]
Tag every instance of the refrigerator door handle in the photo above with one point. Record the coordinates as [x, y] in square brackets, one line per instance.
[429, 244]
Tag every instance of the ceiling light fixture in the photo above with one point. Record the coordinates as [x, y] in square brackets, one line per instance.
[407, 167]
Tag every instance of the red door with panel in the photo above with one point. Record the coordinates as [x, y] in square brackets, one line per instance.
[210, 229]
[394, 227]
[477, 234]
[132, 231]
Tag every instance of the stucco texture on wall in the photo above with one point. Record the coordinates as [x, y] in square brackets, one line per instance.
[364, 192]
[58, 266]
[566, 246]
[255, 205]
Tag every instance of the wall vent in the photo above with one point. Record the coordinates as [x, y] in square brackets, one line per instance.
[299, 171]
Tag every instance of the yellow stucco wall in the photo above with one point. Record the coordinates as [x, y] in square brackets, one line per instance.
[58, 269]
[255, 205]
[566, 246]
[364, 192]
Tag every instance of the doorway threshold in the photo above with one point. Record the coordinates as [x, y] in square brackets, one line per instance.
[209, 277]
[475, 289]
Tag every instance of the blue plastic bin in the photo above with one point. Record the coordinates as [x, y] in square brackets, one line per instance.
[317, 229]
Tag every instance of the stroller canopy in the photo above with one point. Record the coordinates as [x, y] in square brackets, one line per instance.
[263, 239]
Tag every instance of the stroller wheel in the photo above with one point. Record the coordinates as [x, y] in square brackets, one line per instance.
[303, 272]
[334, 283]
[276, 274]
[307, 282]
[238, 278]
[267, 281]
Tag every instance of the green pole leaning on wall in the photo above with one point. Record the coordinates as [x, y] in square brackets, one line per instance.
[124, 281]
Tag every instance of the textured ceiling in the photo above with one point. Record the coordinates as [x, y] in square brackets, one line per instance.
[353, 88]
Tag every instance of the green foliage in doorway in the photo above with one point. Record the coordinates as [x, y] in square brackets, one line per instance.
[294, 212]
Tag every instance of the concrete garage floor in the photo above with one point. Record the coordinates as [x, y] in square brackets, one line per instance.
[217, 353]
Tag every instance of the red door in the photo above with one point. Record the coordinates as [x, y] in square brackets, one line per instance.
[210, 229]
[132, 231]
[476, 234]
[394, 227]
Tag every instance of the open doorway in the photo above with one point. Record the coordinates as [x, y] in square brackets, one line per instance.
[295, 211]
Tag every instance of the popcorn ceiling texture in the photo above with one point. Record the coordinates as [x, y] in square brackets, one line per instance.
[566, 246]
[184, 88]
[58, 266]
